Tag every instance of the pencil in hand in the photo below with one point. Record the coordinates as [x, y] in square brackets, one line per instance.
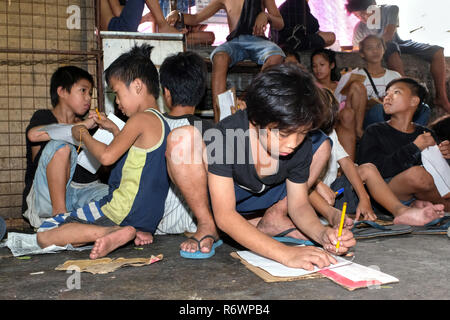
[341, 225]
[98, 114]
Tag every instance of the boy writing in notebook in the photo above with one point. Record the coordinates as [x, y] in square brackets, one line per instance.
[247, 21]
[138, 183]
[54, 183]
[395, 146]
[263, 166]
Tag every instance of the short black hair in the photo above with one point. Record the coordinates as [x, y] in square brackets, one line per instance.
[441, 127]
[135, 64]
[286, 96]
[416, 88]
[66, 77]
[289, 51]
[358, 5]
[184, 75]
[330, 56]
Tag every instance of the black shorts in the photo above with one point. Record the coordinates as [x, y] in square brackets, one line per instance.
[422, 50]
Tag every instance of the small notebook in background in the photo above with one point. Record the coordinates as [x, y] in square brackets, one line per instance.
[227, 103]
[437, 166]
[85, 158]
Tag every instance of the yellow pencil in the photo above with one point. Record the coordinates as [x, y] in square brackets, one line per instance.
[98, 113]
[341, 225]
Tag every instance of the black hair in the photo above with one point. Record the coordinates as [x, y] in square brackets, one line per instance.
[184, 75]
[331, 110]
[362, 43]
[441, 127]
[358, 5]
[66, 77]
[330, 56]
[289, 51]
[135, 64]
[286, 96]
[416, 88]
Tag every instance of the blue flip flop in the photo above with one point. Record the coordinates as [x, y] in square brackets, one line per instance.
[281, 237]
[2, 228]
[373, 229]
[437, 226]
[202, 255]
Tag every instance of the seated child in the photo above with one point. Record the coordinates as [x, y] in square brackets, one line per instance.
[352, 108]
[138, 182]
[387, 30]
[395, 146]
[247, 21]
[355, 180]
[119, 15]
[182, 93]
[372, 49]
[297, 13]
[263, 166]
[54, 183]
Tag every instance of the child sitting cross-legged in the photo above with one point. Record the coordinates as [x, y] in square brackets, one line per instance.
[139, 182]
[355, 179]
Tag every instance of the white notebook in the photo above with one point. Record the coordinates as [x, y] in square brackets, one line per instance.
[437, 166]
[85, 158]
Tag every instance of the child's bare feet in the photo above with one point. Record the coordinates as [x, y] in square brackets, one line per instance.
[143, 238]
[118, 237]
[419, 216]
[190, 245]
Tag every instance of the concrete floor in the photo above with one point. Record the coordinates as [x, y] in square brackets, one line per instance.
[420, 262]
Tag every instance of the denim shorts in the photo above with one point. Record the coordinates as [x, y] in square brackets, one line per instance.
[248, 202]
[248, 47]
[77, 194]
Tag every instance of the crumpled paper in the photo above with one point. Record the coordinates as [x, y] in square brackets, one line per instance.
[106, 265]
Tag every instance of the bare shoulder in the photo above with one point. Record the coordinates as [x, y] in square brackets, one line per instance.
[149, 126]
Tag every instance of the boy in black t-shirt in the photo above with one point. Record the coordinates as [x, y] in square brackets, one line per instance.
[395, 147]
[258, 161]
[54, 183]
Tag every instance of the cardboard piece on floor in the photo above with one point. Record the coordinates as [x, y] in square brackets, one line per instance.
[106, 265]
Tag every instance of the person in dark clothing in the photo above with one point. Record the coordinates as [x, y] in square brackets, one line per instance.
[247, 21]
[301, 29]
[54, 183]
[395, 146]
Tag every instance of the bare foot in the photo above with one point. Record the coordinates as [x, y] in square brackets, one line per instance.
[275, 221]
[112, 241]
[191, 245]
[143, 238]
[414, 216]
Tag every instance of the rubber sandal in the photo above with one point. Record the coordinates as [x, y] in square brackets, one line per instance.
[437, 226]
[202, 255]
[281, 237]
[374, 230]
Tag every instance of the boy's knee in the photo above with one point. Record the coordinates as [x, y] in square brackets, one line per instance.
[62, 153]
[273, 60]
[358, 88]
[420, 179]
[367, 170]
[347, 117]
[221, 60]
